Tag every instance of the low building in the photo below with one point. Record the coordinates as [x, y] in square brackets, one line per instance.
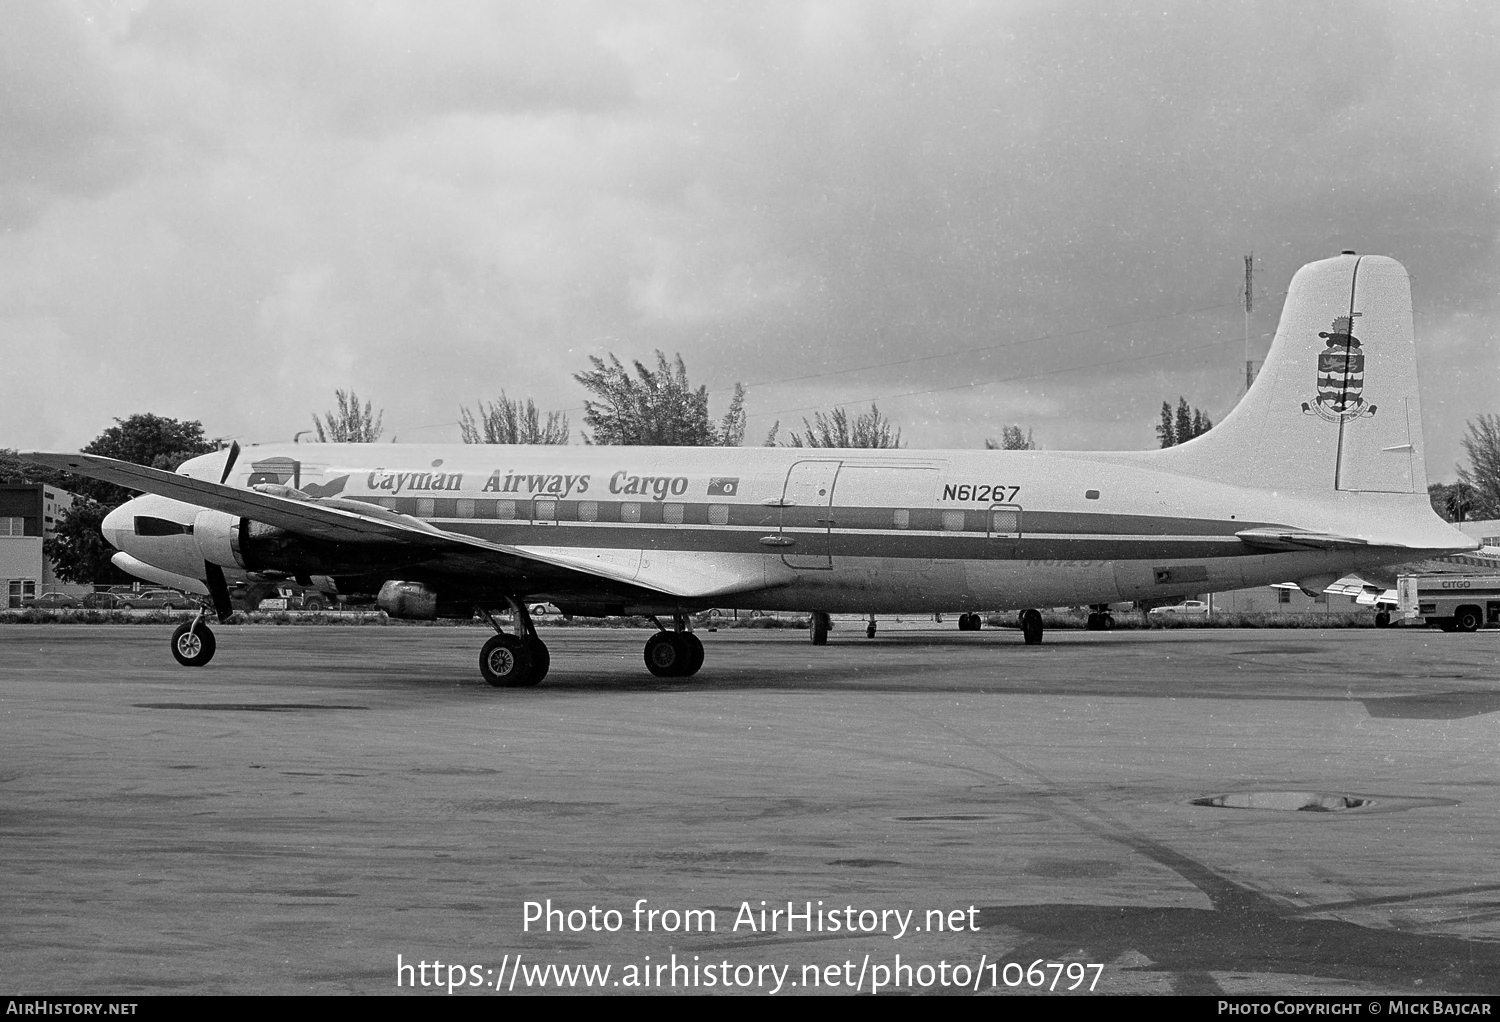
[28, 516]
[1273, 599]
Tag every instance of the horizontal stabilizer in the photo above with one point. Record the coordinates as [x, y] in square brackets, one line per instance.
[1298, 539]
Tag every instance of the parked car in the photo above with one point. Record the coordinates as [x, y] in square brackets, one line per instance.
[155, 599]
[1187, 607]
[58, 601]
[101, 601]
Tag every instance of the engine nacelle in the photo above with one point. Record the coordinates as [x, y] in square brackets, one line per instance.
[411, 600]
[218, 538]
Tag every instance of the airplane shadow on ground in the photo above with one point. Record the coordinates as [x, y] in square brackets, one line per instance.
[1249, 932]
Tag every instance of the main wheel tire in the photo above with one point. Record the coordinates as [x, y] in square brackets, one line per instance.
[870, 630]
[541, 660]
[193, 647]
[818, 628]
[1468, 619]
[695, 654]
[1382, 619]
[1107, 622]
[505, 662]
[1094, 624]
[666, 655]
[1031, 627]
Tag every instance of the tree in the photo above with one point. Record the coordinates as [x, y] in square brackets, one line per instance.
[1012, 439]
[1483, 474]
[869, 430]
[143, 439]
[1164, 431]
[77, 549]
[1188, 423]
[507, 422]
[655, 407]
[350, 424]
[1454, 502]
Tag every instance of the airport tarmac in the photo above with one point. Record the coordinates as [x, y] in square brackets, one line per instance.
[320, 800]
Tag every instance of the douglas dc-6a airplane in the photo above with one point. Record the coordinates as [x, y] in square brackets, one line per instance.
[1316, 474]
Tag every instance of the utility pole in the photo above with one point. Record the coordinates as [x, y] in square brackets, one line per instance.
[1249, 298]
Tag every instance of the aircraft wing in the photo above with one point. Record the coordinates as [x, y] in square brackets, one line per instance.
[343, 520]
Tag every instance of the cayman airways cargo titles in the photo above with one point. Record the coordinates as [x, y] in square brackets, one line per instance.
[1316, 474]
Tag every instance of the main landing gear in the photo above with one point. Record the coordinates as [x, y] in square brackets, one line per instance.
[674, 654]
[1100, 619]
[1031, 627]
[193, 643]
[970, 622]
[514, 661]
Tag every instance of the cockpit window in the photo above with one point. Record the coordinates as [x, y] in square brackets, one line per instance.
[145, 526]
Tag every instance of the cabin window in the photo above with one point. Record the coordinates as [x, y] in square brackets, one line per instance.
[588, 510]
[1008, 521]
[901, 518]
[426, 507]
[630, 512]
[466, 507]
[953, 521]
[718, 514]
[671, 514]
[1090, 494]
[389, 503]
[505, 509]
[546, 511]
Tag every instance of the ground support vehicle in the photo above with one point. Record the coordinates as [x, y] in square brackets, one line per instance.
[1454, 603]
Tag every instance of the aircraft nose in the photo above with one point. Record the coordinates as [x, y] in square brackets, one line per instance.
[118, 525]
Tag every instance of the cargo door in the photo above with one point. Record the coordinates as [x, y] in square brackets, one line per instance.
[807, 515]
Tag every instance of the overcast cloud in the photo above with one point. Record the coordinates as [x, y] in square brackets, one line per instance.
[225, 211]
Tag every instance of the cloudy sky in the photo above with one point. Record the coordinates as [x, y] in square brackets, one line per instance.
[976, 214]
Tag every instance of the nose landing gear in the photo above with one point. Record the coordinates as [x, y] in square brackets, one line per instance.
[193, 643]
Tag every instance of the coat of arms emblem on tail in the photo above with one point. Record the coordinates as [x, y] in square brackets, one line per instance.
[1341, 376]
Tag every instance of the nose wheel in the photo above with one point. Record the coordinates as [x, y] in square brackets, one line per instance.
[193, 643]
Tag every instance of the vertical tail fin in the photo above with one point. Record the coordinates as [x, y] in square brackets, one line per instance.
[1336, 406]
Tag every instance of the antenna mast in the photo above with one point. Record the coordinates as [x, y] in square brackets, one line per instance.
[1249, 298]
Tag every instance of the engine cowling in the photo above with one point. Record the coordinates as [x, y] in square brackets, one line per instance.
[411, 600]
[218, 538]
